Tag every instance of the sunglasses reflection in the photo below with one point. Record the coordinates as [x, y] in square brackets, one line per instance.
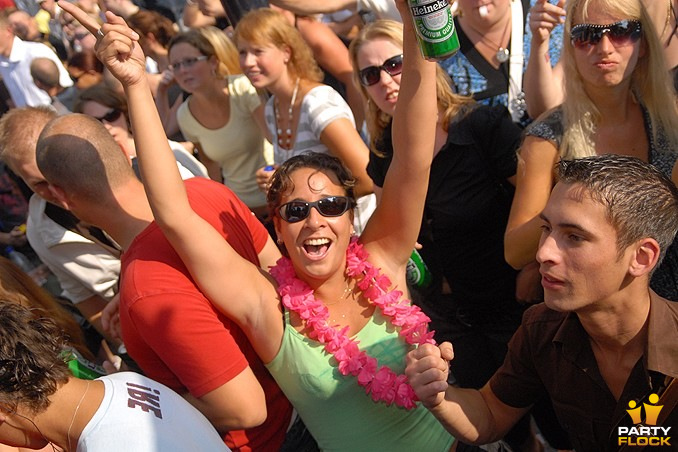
[620, 33]
[371, 74]
[331, 206]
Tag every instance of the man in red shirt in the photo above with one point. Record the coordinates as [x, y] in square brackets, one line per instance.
[170, 329]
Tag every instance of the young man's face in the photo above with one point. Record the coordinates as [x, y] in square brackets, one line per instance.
[579, 262]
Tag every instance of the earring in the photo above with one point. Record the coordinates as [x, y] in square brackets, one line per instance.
[279, 241]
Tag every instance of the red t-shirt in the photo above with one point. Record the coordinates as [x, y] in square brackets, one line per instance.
[175, 334]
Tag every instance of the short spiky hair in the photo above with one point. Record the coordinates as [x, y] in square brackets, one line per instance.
[640, 201]
[31, 364]
[19, 131]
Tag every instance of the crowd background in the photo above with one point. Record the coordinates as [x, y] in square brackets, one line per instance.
[238, 98]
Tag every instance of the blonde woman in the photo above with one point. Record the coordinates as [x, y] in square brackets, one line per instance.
[302, 113]
[223, 115]
[619, 101]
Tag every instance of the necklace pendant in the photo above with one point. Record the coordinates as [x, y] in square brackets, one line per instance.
[502, 55]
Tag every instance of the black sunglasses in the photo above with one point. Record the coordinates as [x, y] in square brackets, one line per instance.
[372, 74]
[619, 33]
[111, 116]
[332, 206]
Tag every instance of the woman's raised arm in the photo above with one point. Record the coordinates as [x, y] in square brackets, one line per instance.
[392, 231]
[204, 251]
[534, 181]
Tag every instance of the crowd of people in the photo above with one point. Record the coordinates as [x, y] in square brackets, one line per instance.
[231, 226]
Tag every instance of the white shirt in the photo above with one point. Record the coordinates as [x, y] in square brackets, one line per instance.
[83, 268]
[138, 414]
[382, 9]
[16, 73]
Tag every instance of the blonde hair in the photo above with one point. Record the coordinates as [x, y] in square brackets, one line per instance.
[265, 26]
[211, 42]
[449, 103]
[650, 82]
[224, 49]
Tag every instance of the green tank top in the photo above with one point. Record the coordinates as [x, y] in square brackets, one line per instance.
[336, 410]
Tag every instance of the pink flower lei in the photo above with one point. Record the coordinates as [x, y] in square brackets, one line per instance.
[380, 382]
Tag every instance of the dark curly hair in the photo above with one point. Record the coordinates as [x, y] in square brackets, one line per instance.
[281, 182]
[31, 363]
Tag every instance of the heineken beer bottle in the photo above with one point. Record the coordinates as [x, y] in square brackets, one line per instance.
[435, 28]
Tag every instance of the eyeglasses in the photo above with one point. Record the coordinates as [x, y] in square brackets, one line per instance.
[111, 116]
[372, 74]
[332, 206]
[619, 33]
[187, 63]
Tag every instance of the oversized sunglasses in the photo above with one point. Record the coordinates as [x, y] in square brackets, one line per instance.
[187, 63]
[332, 206]
[619, 33]
[111, 116]
[372, 74]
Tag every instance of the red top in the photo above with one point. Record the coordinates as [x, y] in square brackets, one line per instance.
[175, 334]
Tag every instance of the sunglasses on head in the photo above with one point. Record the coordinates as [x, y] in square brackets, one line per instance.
[332, 206]
[111, 116]
[372, 74]
[619, 33]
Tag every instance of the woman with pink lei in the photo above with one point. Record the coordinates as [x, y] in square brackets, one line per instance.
[330, 320]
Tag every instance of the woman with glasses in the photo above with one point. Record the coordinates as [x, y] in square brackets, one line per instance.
[468, 201]
[110, 108]
[85, 71]
[223, 115]
[330, 320]
[619, 101]
[302, 114]
[155, 33]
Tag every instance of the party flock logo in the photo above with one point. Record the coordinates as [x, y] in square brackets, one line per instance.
[647, 432]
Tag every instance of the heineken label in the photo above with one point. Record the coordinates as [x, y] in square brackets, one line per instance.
[433, 20]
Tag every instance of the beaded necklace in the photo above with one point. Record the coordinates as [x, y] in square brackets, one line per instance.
[285, 140]
[380, 382]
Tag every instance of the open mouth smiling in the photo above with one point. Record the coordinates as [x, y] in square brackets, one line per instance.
[317, 247]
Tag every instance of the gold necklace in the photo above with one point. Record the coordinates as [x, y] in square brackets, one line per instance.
[285, 141]
[68, 435]
[347, 291]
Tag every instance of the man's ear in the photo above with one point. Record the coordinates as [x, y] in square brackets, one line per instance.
[59, 196]
[645, 257]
